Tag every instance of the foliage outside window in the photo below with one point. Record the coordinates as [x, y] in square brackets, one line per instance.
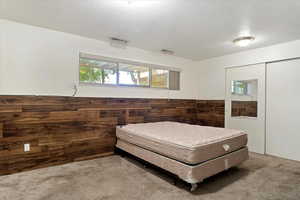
[239, 87]
[160, 78]
[99, 70]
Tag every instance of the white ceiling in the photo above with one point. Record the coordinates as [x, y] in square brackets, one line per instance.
[195, 29]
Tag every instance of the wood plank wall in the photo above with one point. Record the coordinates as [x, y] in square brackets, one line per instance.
[66, 129]
[211, 112]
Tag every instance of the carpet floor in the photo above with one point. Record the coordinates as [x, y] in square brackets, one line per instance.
[259, 178]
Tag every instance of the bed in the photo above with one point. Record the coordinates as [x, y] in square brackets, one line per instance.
[191, 152]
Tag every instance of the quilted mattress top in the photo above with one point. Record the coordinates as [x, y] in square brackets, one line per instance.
[181, 134]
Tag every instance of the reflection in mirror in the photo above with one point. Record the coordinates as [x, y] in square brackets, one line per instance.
[244, 98]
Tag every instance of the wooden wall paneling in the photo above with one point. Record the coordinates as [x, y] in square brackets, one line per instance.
[10, 108]
[211, 112]
[66, 129]
[1, 130]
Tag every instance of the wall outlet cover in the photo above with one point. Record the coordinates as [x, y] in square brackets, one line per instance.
[26, 147]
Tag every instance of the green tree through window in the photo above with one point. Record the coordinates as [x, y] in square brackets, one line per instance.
[94, 71]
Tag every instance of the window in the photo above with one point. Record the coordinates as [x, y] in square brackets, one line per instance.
[160, 78]
[133, 75]
[98, 70]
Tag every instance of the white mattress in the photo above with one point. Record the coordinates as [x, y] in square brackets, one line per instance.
[188, 143]
[184, 135]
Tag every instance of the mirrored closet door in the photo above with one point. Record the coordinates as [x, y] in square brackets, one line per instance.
[245, 103]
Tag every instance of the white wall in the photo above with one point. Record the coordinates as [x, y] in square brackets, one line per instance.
[38, 61]
[211, 72]
[1, 50]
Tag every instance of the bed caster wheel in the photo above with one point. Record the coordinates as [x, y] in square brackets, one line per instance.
[194, 187]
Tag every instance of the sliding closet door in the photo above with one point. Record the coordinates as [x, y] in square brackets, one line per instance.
[245, 103]
[283, 109]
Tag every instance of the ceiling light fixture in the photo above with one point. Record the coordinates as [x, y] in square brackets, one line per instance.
[243, 41]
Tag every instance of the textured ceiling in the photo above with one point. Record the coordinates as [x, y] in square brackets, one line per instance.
[195, 29]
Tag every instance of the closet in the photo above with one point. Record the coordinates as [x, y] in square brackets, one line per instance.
[272, 90]
[245, 103]
[283, 109]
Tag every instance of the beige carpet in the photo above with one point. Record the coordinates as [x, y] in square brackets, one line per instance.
[260, 178]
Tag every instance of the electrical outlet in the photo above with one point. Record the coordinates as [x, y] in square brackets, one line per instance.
[26, 147]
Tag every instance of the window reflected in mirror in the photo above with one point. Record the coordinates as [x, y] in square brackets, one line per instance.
[244, 98]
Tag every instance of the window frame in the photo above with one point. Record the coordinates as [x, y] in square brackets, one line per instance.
[118, 61]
